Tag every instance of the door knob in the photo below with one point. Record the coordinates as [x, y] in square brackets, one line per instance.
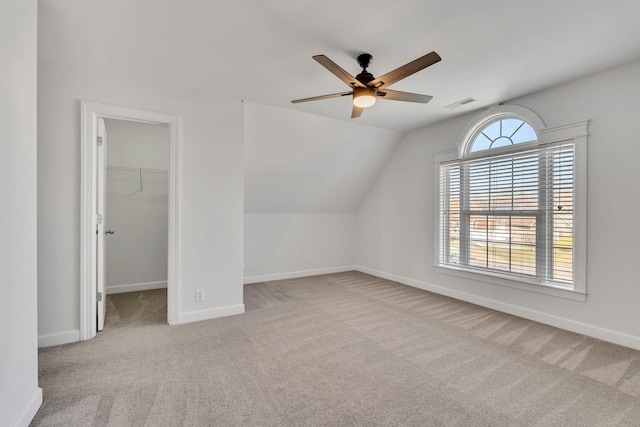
[109, 232]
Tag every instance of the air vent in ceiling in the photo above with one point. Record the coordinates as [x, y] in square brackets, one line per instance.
[459, 103]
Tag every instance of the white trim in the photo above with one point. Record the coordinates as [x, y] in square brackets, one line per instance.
[58, 338]
[211, 313]
[562, 132]
[512, 282]
[445, 156]
[31, 409]
[587, 329]
[90, 111]
[295, 274]
[580, 217]
[134, 287]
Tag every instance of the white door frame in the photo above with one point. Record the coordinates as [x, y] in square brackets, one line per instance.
[90, 111]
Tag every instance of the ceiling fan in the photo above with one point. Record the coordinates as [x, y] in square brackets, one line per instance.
[366, 88]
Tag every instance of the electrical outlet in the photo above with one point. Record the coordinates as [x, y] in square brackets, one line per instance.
[199, 295]
[410, 268]
[308, 261]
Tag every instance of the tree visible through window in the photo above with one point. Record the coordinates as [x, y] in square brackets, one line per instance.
[509, 207]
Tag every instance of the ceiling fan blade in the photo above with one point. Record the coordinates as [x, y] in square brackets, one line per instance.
[395, 95]
[405, 71]
[337, 71]
[317, 98]
[356, 112]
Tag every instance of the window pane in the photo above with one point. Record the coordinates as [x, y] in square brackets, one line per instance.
[503, 133]
[524, 134]
[450, 213]
[493, 130]
[510, 126]
[478, 178]
[481, 143]
[504, 184]
[454, 232]
[523, 259]
[563, 261]
[478, 254]
[489, 236]
[504, 243]
[498, 257]
[562, 206]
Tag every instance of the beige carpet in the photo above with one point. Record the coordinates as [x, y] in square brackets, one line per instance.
[345, 349]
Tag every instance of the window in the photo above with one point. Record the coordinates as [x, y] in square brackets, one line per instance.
[510, 204]
[501, 133]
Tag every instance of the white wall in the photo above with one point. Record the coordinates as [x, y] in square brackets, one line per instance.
[300, 162]
[395, 223]
[305, 177]
[20, 396]
[210, 180]
[279, 246]
[136, 254]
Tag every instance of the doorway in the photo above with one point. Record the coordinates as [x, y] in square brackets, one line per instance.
[135, 222]
[158, 170]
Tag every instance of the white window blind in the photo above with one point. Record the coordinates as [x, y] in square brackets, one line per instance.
[511, 214]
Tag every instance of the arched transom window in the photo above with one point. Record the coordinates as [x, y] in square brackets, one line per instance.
[503, 133]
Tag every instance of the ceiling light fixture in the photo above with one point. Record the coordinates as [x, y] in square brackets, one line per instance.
[364, 97]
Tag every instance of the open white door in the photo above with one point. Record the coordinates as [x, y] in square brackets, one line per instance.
[101, 223]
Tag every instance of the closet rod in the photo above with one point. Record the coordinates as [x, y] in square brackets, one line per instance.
[132, 169]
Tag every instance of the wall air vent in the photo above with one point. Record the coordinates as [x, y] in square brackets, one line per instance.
[459, 103]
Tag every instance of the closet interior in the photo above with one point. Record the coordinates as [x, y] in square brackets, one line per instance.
[136, 241]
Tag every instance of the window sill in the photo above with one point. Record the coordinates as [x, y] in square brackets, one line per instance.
[524, 285]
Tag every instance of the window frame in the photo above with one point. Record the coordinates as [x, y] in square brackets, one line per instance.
[575, 133]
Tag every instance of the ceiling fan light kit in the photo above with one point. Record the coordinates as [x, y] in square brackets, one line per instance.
[364, 97]
[366, 89]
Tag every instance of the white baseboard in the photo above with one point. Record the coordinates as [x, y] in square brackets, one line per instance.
[31, 409]
[590, 330]
[65, 337]
[296, 274]
[119, 289]
[212, 313]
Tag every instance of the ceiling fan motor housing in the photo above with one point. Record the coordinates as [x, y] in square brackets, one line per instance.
[364, 77]
[364, 60]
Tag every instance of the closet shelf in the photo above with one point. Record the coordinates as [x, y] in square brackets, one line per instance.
[140, 171]
[133, 169]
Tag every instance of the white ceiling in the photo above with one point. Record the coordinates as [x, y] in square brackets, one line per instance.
[260, 51]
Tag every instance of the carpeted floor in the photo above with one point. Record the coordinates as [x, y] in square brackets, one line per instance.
[345, 349]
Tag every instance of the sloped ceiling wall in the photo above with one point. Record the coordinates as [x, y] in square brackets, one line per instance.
[303, 163]
[305, 178]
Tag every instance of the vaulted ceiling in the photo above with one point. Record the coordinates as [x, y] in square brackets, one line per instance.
[260, 51]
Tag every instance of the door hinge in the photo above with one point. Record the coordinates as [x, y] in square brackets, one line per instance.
[99, 296]
[99, 219]
[99, 141]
